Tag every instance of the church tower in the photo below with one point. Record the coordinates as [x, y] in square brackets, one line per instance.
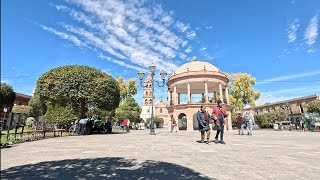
[147, 98]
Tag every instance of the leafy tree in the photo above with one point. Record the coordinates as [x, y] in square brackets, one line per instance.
[158, 121]
[60, 115]
[7, 96]
[264, 120]
[30, 122]
[81, 87]
[241, 91]
[314, 106]
[21, 109]
[38, 106]
[130, 109]
[127, 89]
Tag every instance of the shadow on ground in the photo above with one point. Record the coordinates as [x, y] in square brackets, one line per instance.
[101, 168]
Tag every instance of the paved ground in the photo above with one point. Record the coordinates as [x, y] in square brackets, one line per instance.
[136, 155]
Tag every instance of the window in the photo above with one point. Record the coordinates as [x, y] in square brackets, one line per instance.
[146, 102]
[146, 93]
[150, 101]
[160, 110]
[148, 110]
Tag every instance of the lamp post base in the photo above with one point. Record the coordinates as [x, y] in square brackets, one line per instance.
[152, 132]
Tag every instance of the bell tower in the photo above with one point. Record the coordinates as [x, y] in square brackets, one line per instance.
[147, 98]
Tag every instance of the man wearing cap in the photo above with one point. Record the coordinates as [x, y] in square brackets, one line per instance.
[219, 114]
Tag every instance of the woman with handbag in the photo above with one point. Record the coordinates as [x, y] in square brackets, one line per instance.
[203, 120]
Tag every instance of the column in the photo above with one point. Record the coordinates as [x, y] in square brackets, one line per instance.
[189, 95]
[169, 97]
[206, 92]
[215, 97]
[175, 95]
[227, 94]
[220, 90]
[178, 98]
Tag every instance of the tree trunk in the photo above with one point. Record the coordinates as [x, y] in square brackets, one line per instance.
[82, 108]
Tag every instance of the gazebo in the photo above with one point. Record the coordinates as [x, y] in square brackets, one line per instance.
[193, 85]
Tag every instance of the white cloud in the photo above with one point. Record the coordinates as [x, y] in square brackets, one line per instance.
[191, 35]
[132, 31]
[188, 50]
[208, 27]
[121, 63]
[311, 32]
[182, 55]
[65, 36]
[289, 77]
[292, 30]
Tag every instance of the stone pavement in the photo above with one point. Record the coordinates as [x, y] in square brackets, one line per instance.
[137, 155]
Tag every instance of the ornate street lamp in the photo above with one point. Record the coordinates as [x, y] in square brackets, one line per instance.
[163, 75]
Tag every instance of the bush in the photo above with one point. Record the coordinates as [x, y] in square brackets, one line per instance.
[30, 122]
[60, 115]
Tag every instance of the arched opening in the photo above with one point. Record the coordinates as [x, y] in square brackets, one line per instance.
[146, 93]
[182, 121]
[146, 102]
[150, 102]
[150, 93]
[195, 122]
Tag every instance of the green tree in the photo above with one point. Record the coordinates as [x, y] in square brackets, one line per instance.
[60, 115]
[314, 106]
[7, 96]
[82, 87]
[158, 121]
[127, 89]
[30, 122]
[264, 120]
[21, 109]
[38, 106]
[241, 91]
[130, 109]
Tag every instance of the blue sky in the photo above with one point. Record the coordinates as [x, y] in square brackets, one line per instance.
[276, 41]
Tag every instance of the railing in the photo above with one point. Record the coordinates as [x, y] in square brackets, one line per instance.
[13, 138]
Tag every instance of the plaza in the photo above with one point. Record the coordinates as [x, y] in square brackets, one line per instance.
[267, 154]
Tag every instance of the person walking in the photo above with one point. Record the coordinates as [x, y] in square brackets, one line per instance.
[249, 118]
[174, 125]
[203, 120]
[240, 123]
[219, 114]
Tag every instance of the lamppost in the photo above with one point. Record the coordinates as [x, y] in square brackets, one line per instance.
[163, 75]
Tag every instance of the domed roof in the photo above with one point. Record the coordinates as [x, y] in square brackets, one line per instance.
[196, 66]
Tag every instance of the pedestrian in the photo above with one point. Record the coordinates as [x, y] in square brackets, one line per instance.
[82, 124]
[219, 114]
[249, 118]
[124, 123]
[203, 118]
[174, 124]
[128, 125]
[240, 123]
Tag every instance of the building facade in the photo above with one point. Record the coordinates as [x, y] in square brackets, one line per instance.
[297, 106]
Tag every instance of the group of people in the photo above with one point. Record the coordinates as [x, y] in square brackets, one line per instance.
[245, 120]
[85, 126]
[217, 118]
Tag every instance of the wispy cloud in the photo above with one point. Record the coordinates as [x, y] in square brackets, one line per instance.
[208, 27]
[289, 77]
[132, 34]
[311, 33]
[292, 30]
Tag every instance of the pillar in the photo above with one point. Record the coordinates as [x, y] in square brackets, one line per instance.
[189, 95]
[220, 90]
[215, 97]
[178, 98]
[206, 92]
[227, 95]
[175, 95]
[169, 97]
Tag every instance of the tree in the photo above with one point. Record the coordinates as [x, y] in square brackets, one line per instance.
[38, 106]
[314, 106]
[127, 89]
[130, 109]
[60, 115]
[241, 91]
[264, 120]
[21, 109]
[158, 121]
[30, 122]
[81, 87]
[7, 96]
